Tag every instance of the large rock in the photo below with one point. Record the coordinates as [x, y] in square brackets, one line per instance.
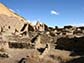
[9, 20]
[72, 44]
[77, 60]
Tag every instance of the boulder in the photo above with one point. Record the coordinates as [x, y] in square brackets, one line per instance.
[71, 44]
[77, 60]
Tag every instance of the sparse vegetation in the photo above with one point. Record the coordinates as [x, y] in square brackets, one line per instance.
[38, 43]
[2, 49]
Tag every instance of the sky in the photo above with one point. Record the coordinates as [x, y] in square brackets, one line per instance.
[51, 12]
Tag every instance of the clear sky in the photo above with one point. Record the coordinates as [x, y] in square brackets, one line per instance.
[51, 12]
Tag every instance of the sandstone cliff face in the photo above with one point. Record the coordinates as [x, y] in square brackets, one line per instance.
[9, 13]
[10, 21]
[38, 43]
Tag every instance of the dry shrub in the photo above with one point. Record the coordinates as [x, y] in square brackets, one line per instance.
[2, 50]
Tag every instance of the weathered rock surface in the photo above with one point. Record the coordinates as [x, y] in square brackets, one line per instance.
[27, 43]
[78, 60]
[72, 44]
